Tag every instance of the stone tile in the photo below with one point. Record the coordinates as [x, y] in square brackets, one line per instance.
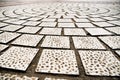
[11, 28]
[65, 20]
[48, 20]
[34, 19]
[51, 31]
[98, 31]
[7, 36]
[100, 63]
[115, 22]
[97, 19]
[47, 78]
[32, 30]
[109, 18]
[17, 58]
[87, 43]
[48, 24]
[114, 29]
[74, 31]
[28, 40]
[3, 24]
[58, 62]
[31, 23]
[84, 25]
[18, 22]
[118, 52]
[66, 25]
[81, 20]
[56, 42]
[103, 24]
[111, 41]
[2, 47]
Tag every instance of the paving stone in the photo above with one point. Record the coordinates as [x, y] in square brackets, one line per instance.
[11, 28]
[48, 20]
[17, 58]
[111, 41]
[84, 25]
[115, 22]
[28, 40]
[48, 24]
[32, 30]
[81, 20]
[114, 29]
[58, 62]
[109, 18]
[18, 22]
[65, 20]
[54, 79]
[31, 23]
[51, 31]
[3, 24]
[2, 47]
[56, 42]
[103, 24]
[74, 31]
[7, 36]
[97, 19]
[87, 43]
[118, 52]
[34, 19]
[98, 31]
[100, 63]
[66, 25]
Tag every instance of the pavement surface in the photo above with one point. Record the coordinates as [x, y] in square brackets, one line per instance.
[60, 41]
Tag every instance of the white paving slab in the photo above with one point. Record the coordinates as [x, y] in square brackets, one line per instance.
[3, 24]
[118, 52]
[65, 20]
[100, 63]
[58, 62]
[7, 36]
[114, 29]
[111, 41]
[48, 24]
[74, 31]
[11, 28]
[97, 19]
[98, 31]
[28, 40]
[56, 42]
[81, 20]
[87, 43]
[48, 20]
[84, 25]
[47, 78]
[103, 24]
[32, 30]
[31, 23]
[51, 31]
[2, 47]
[66, 25]
[115, 22]
[17, 58]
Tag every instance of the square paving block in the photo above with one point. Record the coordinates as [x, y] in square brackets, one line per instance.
[28, 40]
[31, 23]
[48, 24]
[7, 36]
[114, 29]
[2, 47]
[65, 20]
[118, 52]
[109, 18]
[100, 63]
[103, 24]
[81, 20]
[74, 31]
[58, 62]
[47, 78]
[112, 41]
[84, 25]
[97, 19]
[51, 31]
[66, 25]
[11, 28]
[18, 22]
[56, 42]
[98, 31]
[115, 22]
[32, 30]
[3, 24]
[34, 19]
[17, 58]
[87, 43]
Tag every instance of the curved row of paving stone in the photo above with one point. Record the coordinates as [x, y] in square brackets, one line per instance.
[60, 29]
